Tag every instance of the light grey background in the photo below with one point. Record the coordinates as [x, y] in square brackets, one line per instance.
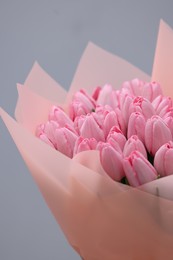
[55, 33]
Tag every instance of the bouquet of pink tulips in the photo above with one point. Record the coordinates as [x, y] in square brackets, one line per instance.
[102, 157]
[132, 129]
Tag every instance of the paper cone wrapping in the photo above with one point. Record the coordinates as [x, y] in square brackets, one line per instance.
[102, 219]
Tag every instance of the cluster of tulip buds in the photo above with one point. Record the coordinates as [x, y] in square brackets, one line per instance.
[132, 128]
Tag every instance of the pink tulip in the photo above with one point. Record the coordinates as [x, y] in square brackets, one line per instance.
[79, 120]
[138, 170]
[89, 127]
[62, 138]
[58, 115]
[65, 141]
[76, 108]
[133, 87]
[161, 105]
[84, 144]
[111, 161]
[163, 161]
[84, 97]
[116, 139]
[125, 102]
[47, 130]
[134, 144]
[108, 118]
[157, 133]
[143, 106]
[151, 90]
[121, 122]
[81, 105]
[136, 125]
[107, 96]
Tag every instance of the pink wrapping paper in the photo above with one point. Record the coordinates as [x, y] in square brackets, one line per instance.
[101, 219]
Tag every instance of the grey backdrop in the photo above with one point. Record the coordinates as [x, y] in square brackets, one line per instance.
[55, 33]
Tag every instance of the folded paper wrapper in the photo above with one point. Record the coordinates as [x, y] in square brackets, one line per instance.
[101, 219]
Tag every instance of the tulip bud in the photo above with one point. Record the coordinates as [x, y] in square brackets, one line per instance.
[116, 139]
[151, 90]
[161, 104]
[81, 105]
[134, 144]
[107, 96]
[138, 170]
[47, 130]
[122, 124]
[61, 138]
[83, 97]
[157, 133]
[88, 127]
[65, 141]
[133, 87]
[125, 102]
[58, 115]
[76, 109]
[111, 161]
[136, 125]
[104, 95]
[110, 121]
[143, 106]
[163, 159]
[107, 118]
[84, 144]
